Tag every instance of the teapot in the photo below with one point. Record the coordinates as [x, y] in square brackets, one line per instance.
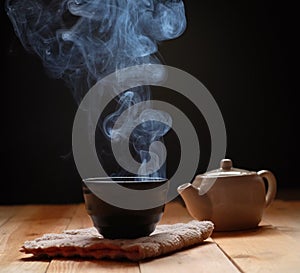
[233, 199]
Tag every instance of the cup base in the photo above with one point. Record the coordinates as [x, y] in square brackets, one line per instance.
[128, 232]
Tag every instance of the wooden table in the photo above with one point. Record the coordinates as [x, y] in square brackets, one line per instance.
[272, 247]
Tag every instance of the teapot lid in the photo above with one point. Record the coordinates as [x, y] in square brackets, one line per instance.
[225, 170]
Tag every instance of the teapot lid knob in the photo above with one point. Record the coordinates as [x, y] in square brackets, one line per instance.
[226, 164]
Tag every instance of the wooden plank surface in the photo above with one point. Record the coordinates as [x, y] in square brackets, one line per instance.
[285, 216]
[272, 247]
[28, 223]
[6, 212]
[91, 266]
[80, 218]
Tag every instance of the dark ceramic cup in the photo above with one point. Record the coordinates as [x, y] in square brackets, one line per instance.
[114, 221]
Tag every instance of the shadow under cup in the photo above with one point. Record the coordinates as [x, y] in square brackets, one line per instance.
[114, 221]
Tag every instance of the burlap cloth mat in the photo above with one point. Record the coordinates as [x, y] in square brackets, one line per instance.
[88, 243]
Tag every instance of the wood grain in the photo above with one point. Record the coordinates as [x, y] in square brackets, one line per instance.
[92, 266]
[28, 223]
[272, 247]
[175, 212]
[6, 212]
[285, 217]
[80, 218]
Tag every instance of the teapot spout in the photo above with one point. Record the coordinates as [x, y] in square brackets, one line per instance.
[184, 187]
[198, 206]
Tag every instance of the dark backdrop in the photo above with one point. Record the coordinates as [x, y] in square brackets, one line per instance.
[242, 51]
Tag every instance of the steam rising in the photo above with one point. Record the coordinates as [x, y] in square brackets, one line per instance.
[82, 41]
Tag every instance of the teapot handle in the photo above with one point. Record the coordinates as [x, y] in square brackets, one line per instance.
[272, 185]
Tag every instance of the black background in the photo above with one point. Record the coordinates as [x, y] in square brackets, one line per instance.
[244, 52]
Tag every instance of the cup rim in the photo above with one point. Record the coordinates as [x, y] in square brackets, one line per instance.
[124, 179]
